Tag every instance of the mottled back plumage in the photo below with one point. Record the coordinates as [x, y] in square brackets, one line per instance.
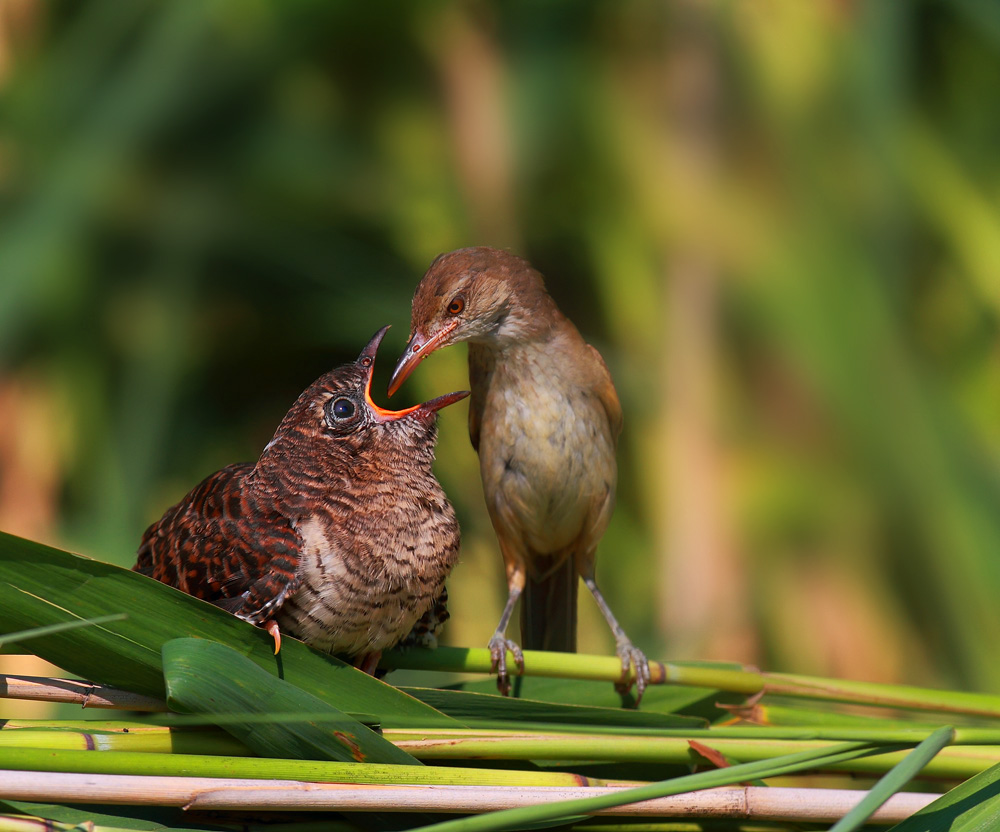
[340, 532]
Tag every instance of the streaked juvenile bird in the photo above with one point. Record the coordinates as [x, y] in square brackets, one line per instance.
[339, 534]
[544, 417]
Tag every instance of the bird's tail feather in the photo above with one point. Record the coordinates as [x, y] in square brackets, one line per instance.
[548, 609]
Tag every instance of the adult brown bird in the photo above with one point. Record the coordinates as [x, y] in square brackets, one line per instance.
[544, 417]
[340, 532]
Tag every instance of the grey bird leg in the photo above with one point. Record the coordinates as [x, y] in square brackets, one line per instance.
[500, 644]
[627, 652]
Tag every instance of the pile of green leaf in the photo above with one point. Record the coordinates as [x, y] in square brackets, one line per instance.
[234, 737]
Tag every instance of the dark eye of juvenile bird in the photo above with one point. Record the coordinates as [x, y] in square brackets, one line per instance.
[341, 409]
[457, 305]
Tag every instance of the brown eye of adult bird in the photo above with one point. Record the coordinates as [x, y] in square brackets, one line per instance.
[309, 537]
[534, 379]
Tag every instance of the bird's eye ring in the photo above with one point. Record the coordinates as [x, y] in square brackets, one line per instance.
[366, 362]
[457, 305]
[342, 409]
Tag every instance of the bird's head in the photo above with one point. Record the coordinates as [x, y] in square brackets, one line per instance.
[337, 411]
[474, 294]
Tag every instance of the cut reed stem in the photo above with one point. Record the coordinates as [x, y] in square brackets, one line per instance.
[268, 768]
[75, 692]
[817, 805]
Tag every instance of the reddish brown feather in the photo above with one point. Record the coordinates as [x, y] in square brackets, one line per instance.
[339, 531]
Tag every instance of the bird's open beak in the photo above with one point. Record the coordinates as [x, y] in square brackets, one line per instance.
[416, 351]
[367, 361]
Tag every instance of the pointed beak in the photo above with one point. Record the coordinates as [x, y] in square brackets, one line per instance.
[367, 360]
[367, 357]
[416, 351]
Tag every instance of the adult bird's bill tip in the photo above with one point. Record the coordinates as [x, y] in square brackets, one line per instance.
[414, 353]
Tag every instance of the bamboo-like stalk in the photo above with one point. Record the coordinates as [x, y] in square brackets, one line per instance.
[569, 666]
[533, 731]
[124, 731]
[30, 823]
[745, 745]
[266, 768]
[163, 740]
[201, 793]
[75, 692]
[877, 694]
[745, 680]
[9, 823]
[106, 726]
[952, 763]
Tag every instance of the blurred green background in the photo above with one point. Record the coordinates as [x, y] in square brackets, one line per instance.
[779, 220]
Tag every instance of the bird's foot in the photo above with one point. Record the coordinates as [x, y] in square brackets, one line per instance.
[632, 655]
[272, 627]
[368, 663]
[499, 645]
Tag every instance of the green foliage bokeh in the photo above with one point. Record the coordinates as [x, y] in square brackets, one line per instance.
[779, 221]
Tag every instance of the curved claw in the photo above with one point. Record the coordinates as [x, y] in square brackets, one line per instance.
[631, 655]
[498, 646]
[272, 627]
